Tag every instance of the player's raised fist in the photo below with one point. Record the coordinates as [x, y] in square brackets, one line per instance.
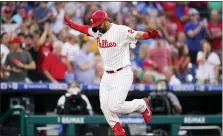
[153, 34]
[67, 21]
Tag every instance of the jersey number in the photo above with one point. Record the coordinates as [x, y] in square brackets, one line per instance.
[131, 31]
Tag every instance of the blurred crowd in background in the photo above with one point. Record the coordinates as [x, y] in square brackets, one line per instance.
[37, 46]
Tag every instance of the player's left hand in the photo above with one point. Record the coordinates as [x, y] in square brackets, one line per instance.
[153, 34]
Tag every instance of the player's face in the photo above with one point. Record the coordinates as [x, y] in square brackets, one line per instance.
[102, 27]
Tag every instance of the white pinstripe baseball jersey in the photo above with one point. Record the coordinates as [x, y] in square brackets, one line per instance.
[114, 49]
[114, 45]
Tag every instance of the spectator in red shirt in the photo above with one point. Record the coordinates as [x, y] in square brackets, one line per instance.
[160, 54]
[170, 10]
[45, 47]
[215, 29]
[172, 24]
[6, 17]
[55, 65]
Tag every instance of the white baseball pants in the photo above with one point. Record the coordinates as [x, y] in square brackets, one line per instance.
[113, 92]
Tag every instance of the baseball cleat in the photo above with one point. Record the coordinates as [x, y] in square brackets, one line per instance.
[118, 130]
[147, 113]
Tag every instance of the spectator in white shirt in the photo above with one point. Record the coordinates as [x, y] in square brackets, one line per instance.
[98, 72]
[71, 48]
[114, 7]
[4, 52]
[75, 10]
[171, 78]
[4, 46]
[63, 36]
[208, 65]
[84, 64]
[58, 15]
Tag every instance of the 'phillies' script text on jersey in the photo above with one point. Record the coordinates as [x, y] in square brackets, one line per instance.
[114, 45]
[105, 43]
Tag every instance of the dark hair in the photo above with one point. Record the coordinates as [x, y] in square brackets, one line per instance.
[202, 44]
[83, 42]
[165, 82]
[3, 34]
[181, 50]
[29, 36]
[202, 47]
[73, 82]
[21, 34]
[38, 32]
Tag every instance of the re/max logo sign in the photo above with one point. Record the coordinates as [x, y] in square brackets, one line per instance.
[194, 120]
[68, 120]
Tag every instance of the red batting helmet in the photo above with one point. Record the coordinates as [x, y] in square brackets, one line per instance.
[98, 17]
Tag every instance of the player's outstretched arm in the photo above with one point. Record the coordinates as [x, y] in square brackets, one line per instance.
[147, 35]
[80, 28]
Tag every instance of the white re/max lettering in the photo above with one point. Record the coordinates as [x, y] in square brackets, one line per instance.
[68, 120]
[195, 120]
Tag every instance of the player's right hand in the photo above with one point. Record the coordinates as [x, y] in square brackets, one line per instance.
[68, 21]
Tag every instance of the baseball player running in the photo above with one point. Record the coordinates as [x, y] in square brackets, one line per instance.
[113, 44]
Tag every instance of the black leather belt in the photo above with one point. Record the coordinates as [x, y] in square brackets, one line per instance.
[111, 72]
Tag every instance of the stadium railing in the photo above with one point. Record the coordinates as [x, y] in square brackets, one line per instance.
[27, 122]
[140, 87]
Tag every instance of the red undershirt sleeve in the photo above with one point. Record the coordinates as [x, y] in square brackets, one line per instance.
[80, 28]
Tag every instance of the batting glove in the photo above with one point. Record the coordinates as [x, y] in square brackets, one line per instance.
[153, 34]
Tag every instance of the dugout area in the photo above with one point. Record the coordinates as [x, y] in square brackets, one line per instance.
[27, 123]
[202, 118]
